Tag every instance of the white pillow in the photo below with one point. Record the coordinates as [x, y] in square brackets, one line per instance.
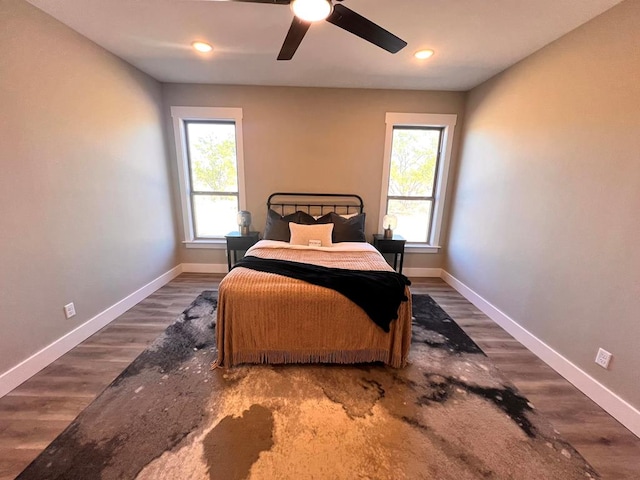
[311, 234]
[343, 215]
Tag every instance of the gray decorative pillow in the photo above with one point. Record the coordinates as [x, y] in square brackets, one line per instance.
[305, 219]
[345, 229]
[277, 227]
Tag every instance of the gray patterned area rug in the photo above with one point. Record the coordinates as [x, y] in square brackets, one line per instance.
[448, 415]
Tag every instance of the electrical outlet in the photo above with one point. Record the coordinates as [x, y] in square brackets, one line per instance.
[69, 310]
[603, 358]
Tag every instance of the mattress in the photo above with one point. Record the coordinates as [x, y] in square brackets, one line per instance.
[269, 318]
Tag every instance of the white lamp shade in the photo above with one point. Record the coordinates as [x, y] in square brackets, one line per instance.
[389, 222]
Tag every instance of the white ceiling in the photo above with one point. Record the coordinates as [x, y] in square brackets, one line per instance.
[473, 39]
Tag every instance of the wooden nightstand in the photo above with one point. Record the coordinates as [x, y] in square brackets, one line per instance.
[237, 242]
[393, 245]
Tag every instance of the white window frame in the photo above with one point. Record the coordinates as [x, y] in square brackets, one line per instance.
[448, 123]
[181, 115]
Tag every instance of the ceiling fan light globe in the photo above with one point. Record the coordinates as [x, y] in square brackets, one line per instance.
[202, 46]
[423, 54]
[311, 10]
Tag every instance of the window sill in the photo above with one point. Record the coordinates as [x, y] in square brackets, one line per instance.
[215, 243]
[421, 248]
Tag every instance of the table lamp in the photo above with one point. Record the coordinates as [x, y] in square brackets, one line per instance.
[389, 223]
[244, 221]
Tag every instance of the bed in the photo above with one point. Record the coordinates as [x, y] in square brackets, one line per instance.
[271, 318]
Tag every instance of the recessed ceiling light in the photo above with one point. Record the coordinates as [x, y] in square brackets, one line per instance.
[202, 46]
[422, 54]
[311, 10]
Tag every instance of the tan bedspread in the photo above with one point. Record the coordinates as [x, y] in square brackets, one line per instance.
[268, 318]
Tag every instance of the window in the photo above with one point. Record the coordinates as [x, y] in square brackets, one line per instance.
[210, 167]
[416, 164]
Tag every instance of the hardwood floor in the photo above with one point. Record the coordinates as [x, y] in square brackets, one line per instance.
[33, 414]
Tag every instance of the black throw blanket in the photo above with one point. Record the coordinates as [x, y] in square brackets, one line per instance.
[378, 293]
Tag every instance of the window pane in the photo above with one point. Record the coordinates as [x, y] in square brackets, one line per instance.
[414, 155]
[414, 218]
[212, 157]
[214, 215]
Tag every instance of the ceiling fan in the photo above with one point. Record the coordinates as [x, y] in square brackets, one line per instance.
[308, 11]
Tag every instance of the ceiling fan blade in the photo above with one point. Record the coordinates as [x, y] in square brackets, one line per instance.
[296, 33]
[355, 23]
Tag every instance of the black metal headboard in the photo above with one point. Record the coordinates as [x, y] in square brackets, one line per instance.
[315, 203]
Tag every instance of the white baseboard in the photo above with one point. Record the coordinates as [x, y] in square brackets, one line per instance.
[39, 360]
[204, 268]
[613, 404]
[422, 272]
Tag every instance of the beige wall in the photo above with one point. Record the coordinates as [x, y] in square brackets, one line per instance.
[84, 190]
[312, 140]
[546, 222]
